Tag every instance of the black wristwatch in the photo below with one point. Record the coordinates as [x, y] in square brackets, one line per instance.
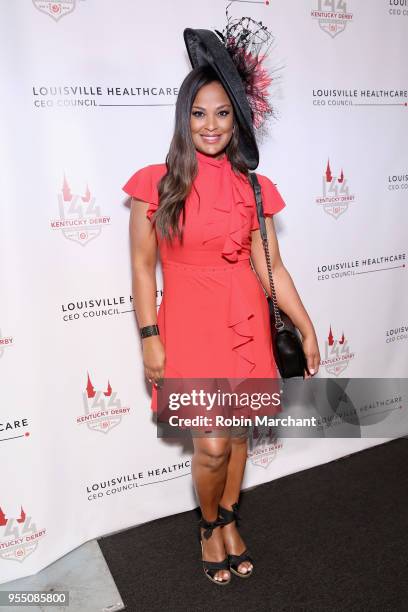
[149, 330]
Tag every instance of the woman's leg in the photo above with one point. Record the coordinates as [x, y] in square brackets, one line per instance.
[234, 544]
[209, 471]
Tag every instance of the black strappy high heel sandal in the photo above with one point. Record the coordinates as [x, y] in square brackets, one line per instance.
[228, 516]
[212, 567]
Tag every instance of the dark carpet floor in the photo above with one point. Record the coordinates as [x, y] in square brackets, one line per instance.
[331, 538]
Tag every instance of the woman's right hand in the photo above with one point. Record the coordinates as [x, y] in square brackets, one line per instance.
[154, 358]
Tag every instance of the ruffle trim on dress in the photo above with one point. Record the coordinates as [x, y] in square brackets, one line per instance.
[240, 321]
[239, 208]
[143, 186]
[238, 205]
[272, 200]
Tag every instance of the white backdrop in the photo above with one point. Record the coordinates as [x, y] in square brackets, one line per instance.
[88, 89]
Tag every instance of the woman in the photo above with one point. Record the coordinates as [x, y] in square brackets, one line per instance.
[199, 211]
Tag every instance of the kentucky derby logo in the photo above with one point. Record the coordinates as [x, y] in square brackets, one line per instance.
[103, 410]
[5, 342]
[336, 197]
[332, 16]
[19, 537]
[337, 354]
[263, 447]
[80, 219]
[56, 9]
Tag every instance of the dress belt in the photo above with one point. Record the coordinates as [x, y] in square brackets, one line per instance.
[230, 267]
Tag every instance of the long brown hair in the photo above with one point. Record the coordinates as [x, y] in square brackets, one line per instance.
[181, 160]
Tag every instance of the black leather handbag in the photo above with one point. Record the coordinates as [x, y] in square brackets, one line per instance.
[286, 342]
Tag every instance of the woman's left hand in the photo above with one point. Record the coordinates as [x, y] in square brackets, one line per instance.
[311, 350]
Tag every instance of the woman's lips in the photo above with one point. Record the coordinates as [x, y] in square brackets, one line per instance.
[210, 139]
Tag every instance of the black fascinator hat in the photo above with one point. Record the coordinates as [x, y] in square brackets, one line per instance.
[235, 55]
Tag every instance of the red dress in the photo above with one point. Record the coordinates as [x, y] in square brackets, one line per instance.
[214, 317]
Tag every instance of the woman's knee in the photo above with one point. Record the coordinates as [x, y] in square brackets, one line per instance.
[212, 453]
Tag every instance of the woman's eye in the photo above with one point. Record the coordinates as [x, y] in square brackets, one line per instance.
[223, 113]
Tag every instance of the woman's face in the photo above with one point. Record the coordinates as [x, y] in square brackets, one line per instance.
[211, 120]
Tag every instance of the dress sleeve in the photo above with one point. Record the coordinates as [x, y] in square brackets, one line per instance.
[271, 199]
[143, 186]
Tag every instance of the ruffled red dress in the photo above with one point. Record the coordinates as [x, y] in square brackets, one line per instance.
[214, 316]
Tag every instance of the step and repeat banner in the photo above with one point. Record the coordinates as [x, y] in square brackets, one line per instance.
[87, 96]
